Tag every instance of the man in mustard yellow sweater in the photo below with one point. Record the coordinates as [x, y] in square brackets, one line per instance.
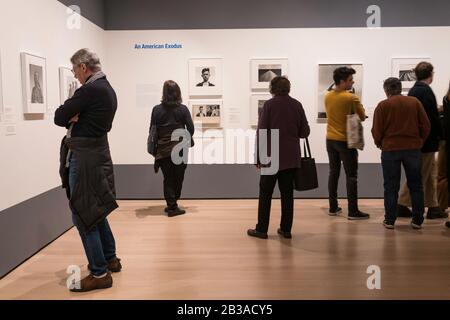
[338, 104]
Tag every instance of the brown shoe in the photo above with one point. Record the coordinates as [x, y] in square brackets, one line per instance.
[92, 283]
[114, 265]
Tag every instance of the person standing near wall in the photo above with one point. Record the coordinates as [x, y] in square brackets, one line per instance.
[400, 127]
[87, 169]
[338, 104]
[169, 116]
[285, 114]
[425, 73]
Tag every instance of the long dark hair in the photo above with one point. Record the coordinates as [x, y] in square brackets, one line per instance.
[171, 94]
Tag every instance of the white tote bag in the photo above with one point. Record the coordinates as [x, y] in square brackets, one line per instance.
[355, 132]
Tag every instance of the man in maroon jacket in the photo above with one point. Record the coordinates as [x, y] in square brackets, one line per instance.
[400, 127]
[283, 115]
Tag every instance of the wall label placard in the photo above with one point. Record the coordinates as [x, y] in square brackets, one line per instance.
[158, 46]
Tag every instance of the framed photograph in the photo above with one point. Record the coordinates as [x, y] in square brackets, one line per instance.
[207, 112]
[205, 77]
[34, 83]
[256, 104]
[326, 83]
[403, 68]
[68, 84]
[264, 70]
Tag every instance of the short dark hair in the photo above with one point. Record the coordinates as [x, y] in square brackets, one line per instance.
[171, 93]
[280, 86]
[205, 69]
[423, 70]
[342, 74]
[392, 86]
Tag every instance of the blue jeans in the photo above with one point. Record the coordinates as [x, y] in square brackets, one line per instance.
[99, 244]
[412, 163]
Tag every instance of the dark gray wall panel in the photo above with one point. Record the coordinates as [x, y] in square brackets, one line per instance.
[231, 182]
[29, 226]
[231, 14]
[93, 10]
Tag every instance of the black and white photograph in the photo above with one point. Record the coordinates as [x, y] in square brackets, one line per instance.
[326, 83]
[36, 77]
[206, 74]
[206, 112]
[403, 68]
[256, 104]
[205, 77]
[68, 84]
[34, 84]
[264, 70]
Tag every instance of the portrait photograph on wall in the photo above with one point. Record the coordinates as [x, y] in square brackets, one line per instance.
[68, 84]
[205, 77]
[264, 70]
[207, 112]
[326, 83]
[34, 83]
[257, 102]
[403, 68]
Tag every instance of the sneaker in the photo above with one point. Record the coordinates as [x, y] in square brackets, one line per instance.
[335, 212]
[92, 283]
[388, 225]
[436, 213]
[358, 216]
[415, 225]
[447, 224]
[115, 265]
[403, 212]
[175, 212]
[255, 233]
[285, 234]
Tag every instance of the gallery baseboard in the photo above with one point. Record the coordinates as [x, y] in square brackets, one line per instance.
[29, 226]
[232, 181]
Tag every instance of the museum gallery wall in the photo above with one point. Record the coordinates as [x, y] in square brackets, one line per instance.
[30, 60]
[237, 66]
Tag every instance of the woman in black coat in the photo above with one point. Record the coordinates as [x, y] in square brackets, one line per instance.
[169, 116]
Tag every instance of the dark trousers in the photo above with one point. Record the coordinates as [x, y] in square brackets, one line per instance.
[339, 152]
[411, 161]
[173, 181]
[285, 180]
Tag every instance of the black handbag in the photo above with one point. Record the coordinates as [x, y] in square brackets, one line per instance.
[152, 141]
[306, 174]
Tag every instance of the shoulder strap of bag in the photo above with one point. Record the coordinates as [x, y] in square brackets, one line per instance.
[307, 149]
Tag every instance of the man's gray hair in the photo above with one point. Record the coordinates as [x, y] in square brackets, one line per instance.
[89, 58]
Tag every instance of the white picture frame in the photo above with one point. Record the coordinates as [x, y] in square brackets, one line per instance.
[256, 103]
[262, 71]
[403, 68]
[68, 84]
[326, 83]
[34, 83]
[212, 111]
[198, 70]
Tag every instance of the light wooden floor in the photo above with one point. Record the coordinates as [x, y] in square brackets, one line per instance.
[206, 254]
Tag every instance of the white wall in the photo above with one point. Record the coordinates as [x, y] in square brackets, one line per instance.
[29, 160]
[305, 49]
